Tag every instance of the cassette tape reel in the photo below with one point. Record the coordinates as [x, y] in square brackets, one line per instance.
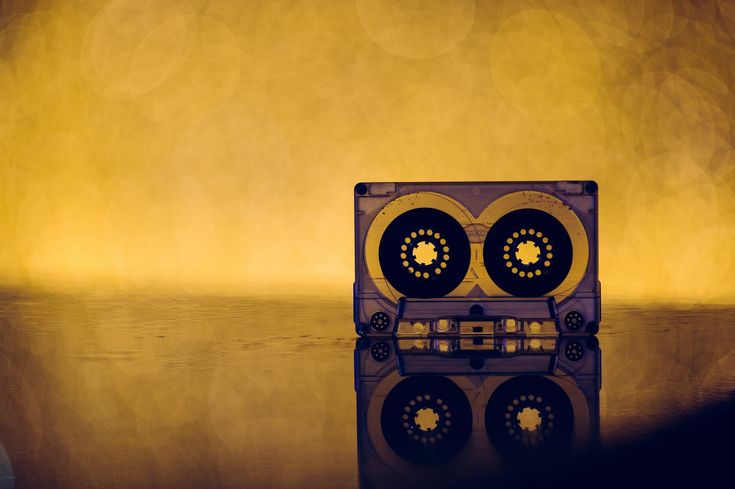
[428, 417]
[434, 251]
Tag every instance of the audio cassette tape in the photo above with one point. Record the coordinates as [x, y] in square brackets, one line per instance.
[442, 413]
[431, 252]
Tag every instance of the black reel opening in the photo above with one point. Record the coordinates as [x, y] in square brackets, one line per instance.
[426, 419]
[528, 253]
[529, 415]
[424, 253]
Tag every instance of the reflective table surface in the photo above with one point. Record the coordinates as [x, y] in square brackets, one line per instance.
[126, 390]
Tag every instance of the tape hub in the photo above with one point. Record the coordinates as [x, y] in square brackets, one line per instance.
[426, 419]
[528, 253]
[424, 253]
[528, 419]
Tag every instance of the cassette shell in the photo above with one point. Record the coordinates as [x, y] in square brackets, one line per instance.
[534, 240]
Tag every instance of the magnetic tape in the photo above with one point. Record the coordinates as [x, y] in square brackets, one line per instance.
[429, 254]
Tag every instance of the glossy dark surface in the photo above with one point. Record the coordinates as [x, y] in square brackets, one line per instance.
[133, 390]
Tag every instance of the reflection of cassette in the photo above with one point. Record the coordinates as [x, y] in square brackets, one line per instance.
[7, 480]
[430, 251]
[432, 414]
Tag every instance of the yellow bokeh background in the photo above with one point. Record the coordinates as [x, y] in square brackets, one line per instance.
[213, 146]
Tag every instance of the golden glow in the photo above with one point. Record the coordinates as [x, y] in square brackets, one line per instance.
[545, 64]
[214, 145]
